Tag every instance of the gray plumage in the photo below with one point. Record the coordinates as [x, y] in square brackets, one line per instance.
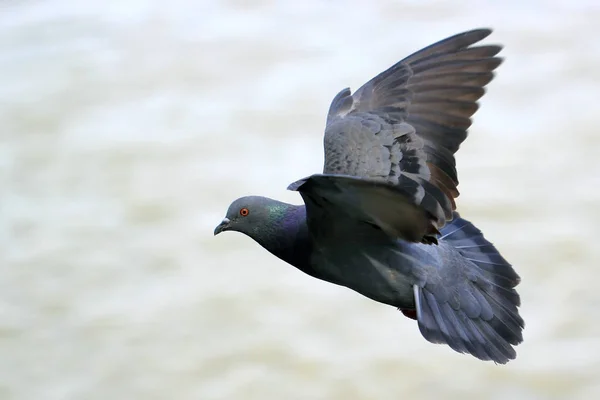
[381, 218]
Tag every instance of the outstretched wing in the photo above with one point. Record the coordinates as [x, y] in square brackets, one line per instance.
[404, 126]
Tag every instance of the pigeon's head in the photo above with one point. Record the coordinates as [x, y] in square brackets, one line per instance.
[250, 215]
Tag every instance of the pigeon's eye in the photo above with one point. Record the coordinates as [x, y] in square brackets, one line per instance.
[244, 212]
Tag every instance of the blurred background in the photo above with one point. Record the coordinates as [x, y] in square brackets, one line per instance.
[127, 127]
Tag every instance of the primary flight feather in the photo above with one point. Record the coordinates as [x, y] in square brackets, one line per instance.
[381, 219]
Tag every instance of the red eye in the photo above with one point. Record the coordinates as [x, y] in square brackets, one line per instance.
[244, 212]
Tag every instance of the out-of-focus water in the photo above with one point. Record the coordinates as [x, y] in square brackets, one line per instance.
[127, 127]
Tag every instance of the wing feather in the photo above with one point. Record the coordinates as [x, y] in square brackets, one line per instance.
[396, 210]
[408, 121]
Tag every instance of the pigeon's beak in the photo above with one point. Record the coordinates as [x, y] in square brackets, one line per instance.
[222, 226]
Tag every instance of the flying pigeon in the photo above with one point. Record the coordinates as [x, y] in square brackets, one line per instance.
[381, 219]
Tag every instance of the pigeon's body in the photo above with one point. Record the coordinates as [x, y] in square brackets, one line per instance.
[381, 218]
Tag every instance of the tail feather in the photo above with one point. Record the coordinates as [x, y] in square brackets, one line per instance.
[476, 311]
[439, 323]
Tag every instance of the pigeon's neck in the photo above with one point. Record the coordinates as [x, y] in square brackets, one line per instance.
[288, 238]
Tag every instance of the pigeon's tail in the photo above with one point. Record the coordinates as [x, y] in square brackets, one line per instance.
[478, 312]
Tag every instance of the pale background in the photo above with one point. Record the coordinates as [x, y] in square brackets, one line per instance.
[127, 127]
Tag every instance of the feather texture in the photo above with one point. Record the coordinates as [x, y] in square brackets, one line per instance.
[380, 219]
[409, 120]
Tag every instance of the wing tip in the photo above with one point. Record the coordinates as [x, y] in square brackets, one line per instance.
[480, 33]
[295, 186]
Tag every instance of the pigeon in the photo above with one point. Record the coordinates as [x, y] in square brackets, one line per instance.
[381, 219]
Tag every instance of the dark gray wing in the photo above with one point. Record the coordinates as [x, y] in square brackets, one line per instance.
[406, 123]
[358, 201]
